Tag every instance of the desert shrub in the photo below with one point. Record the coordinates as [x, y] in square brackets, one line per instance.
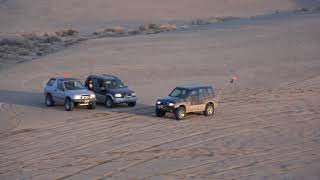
[67, 32]
[226, 18]
[12, 42]
[47, 38]
[153, 26]
[133, 31]
[110, 31]
[22, 52]
[167, 27]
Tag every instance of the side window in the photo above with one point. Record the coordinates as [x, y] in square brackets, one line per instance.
[51, 82]
[194, 93]
[60, 86]
[203, 92]
[210, 91]
[95, 83]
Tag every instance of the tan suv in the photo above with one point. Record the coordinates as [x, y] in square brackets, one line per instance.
[187, 99]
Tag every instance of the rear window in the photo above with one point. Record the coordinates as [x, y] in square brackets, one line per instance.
[211, 92]
[51, 82]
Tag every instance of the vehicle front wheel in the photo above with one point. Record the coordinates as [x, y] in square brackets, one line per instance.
[92, 105]
[109, 102]
[209, 110]
[49, 100]
[132, 104]
[180, 113]
[68, 104]
[160, 113]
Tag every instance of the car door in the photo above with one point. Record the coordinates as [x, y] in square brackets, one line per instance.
[203, 98]
[59, 93]
[195, 101]
[97, 89]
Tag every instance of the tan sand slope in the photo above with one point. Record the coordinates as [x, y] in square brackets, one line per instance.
[266, 128]
[46, 15]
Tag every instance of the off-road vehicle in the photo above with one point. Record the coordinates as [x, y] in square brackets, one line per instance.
[187, 99]
[69, 92]
[110, 90]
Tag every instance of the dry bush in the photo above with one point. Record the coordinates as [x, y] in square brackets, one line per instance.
[67, 32]
[167, 27]
[110, 31]
[226, 18]
[133, 31]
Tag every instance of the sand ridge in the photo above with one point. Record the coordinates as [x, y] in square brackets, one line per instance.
[267, 125]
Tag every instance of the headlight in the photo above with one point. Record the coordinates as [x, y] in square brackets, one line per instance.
[77, 97]
[118, 95]
[92, 96]
[133, 94]
[171, 104]
[159, 102]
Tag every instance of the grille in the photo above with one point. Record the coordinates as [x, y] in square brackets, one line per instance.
[85, 96]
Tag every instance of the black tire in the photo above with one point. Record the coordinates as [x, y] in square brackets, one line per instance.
[209, 111]
[132, 104]
[108, 102]
[49, 100]
[68, 104]
[180, 113]
[92, 105]
[160, 113]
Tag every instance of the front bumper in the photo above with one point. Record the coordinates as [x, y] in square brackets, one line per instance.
[85, 101]
[125, 100]
[166, 108]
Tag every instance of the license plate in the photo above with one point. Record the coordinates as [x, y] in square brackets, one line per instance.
[86, 101]
[160, 106]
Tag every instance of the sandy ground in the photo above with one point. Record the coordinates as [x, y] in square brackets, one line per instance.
[267, 126]
[48, 15]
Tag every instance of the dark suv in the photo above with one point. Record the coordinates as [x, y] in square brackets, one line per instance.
[187, 99]
[110, 90]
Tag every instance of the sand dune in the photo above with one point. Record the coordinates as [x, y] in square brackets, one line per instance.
[267, 126]
[46, 15]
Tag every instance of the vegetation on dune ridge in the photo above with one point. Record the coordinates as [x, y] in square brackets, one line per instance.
[26, 46]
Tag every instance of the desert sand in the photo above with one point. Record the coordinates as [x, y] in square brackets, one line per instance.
[266, 126]
[47, 15]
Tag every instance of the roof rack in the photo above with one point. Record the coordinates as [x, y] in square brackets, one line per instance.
[109, 76]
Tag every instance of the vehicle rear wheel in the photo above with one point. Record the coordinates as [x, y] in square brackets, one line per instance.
[49, 100]
[92, 105]
[180, 113]
[209, 110]
[160, 113]
[68, 104]
[109, 102]
[132, 104]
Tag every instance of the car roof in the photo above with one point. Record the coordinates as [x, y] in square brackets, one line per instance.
[105, 76]
[66, 79]
[194, 86]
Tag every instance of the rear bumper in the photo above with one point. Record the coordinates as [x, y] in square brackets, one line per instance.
[124, 100]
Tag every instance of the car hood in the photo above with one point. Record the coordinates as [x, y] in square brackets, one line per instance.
[79, 92]
[120, 90]
[170, 99]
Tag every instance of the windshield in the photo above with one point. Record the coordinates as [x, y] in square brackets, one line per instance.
[73, 85]
[113, 84]
[179, 93]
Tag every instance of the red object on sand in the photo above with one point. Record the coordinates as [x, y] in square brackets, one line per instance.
[66, 75]
[234, 78]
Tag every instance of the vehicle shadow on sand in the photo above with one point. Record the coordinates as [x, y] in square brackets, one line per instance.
[140, 109]
[143, 110]
[36, 100]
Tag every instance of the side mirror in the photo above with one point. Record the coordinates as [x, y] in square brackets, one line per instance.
[103, 89]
